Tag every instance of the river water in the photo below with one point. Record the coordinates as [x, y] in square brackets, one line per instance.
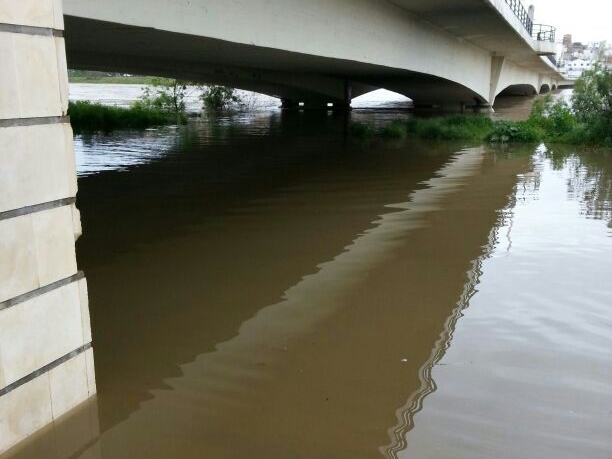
[263, 287]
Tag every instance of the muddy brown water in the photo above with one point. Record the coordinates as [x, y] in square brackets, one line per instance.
[261, 287]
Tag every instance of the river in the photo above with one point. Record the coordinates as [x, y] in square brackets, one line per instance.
[263, 287]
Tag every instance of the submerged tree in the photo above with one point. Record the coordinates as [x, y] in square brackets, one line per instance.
[166, 95]
[217, 97]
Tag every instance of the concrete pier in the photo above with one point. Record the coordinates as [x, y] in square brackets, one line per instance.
[46, 356]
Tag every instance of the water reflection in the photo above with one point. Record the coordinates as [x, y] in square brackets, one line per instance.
[590, 180]
[290, 372]
[406, 414]
[526, 375]
[262, 288]
[119, 151]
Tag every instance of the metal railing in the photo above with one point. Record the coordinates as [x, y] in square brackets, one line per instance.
[543, 32]
[519, 10]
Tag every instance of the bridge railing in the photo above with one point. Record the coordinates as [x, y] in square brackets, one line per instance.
[542, 32]
[519, 10]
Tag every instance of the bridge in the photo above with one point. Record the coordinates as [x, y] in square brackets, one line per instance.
[438, 53]
[441, 53]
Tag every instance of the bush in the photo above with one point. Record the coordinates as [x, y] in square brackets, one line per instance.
[220, 98]
[515, 131]
[167, 96]
[555, 119]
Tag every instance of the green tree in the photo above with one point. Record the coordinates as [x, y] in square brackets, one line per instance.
[166, 95]
[592, 104]
[217, 97]
[554, 118]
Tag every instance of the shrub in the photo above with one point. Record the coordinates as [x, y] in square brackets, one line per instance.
[165, 95]
[515, 131]
[220, 98]
[555, 119]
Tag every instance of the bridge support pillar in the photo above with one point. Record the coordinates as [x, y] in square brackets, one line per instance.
[348, 96]
[497, 67]
[288, 104]
[46, 359]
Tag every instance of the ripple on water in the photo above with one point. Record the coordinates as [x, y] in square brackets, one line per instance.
[528, 373]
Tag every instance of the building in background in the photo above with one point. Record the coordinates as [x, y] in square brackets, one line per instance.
[579, 57]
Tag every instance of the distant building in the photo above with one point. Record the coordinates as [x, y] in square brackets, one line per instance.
[580, 57]
[575, 68]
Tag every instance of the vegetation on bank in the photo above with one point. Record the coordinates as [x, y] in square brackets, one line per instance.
[91, 117]
[163, 102]
[587, 120]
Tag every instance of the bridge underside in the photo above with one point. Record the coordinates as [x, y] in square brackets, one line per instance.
[314, 80]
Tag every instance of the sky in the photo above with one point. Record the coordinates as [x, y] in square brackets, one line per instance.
[586, 20]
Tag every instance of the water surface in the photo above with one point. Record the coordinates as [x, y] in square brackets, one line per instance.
[262, 287]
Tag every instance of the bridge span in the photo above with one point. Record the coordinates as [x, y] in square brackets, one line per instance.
[441, 53]
[437, 52]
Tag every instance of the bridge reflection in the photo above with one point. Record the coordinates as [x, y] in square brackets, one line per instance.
[299, 303]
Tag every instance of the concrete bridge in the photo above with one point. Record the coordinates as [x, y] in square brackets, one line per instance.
[436, 52]
[447, 54]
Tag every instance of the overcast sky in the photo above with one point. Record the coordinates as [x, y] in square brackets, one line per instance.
[586, 20]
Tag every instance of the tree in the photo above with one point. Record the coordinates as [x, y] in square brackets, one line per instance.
[592, 103]
[166, 95]
[217, 97]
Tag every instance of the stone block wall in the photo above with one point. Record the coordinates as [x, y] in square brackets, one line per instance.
[46, 356]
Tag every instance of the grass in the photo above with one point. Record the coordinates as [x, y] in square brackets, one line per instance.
[459, 127]
[456, 127]
[362, 130]
[552, 122]
[92, 117]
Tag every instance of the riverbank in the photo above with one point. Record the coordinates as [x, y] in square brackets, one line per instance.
[586, 121]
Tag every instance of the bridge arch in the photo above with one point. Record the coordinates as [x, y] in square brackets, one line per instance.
[430, 91]
[545, 88]
[382, 94]
[518, 90]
